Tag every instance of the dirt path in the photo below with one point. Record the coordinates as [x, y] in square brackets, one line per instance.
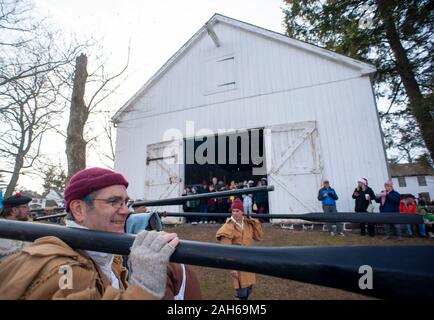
[216, 283]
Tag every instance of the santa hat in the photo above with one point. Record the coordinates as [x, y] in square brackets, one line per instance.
[364, 181]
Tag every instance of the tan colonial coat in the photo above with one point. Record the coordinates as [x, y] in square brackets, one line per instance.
[34, 274]
[231, 233]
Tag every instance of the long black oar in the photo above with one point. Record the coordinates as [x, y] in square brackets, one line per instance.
[51, 216]
[209, 195]
[381, 218]
[184, 199]
[43, 210]
[397, 271]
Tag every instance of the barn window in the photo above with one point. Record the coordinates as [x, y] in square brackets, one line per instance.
[421, 180]
[220, 75]
[401, 182]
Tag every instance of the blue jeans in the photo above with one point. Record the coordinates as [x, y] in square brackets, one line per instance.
[408, 229]
[397, 229]
[203, 208]
[421, 228]
[422, 231]
[332, 209]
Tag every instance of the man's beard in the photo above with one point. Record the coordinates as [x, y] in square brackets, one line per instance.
[25, 218]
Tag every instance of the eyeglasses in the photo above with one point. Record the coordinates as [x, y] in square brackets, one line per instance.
[115, 202]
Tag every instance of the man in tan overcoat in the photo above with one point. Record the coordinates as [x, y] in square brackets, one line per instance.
[95, 199]
[240, 230]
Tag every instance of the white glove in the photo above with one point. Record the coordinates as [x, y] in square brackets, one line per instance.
[148, 261]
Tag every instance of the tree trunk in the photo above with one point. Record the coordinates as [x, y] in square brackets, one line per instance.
[75, 143]
[420, 107]
[19, 162]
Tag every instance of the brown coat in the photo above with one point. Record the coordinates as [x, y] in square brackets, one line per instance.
[34, 274]
[231, 233]
[174, 282]
[9, 247]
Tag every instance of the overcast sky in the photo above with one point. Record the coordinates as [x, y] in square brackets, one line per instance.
[155, 29]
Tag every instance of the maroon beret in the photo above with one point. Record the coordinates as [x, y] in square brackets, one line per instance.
[237, 204]
[89, 180]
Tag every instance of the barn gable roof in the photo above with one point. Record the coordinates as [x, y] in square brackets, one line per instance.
[364, 68]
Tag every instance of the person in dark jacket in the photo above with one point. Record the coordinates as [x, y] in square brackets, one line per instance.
[212, 204]
[327, 195]
[203, 208]
[221, 202]
[389, 201]
[195, 206]
[186, 207]
[363, 195]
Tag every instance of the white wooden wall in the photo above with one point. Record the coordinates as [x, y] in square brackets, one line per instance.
[275, 84]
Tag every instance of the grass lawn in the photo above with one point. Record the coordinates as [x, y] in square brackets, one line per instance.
[216, 283]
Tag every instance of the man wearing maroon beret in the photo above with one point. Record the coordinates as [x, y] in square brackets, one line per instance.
[96, 199]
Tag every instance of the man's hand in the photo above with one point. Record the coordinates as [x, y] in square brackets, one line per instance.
[148, 260]
[234, 274]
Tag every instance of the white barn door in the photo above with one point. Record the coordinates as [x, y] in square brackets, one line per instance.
[162, 174]
[296, 169]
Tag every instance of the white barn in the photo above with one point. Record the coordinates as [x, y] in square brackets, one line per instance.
[315, 109]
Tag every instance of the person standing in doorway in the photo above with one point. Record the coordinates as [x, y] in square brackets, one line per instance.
[186, 207]
[203, 202]
[195, 206]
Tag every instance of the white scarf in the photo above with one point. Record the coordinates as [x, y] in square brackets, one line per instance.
[102, 259]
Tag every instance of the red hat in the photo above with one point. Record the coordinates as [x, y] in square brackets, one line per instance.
[237, 204]
[89, 180]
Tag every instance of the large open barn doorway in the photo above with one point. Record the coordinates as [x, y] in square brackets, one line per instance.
[229, 161]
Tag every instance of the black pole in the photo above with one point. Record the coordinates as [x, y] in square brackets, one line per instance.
[184, 199]
[209, 195]
[56, 209]
[351, 217]
[52, 216]
[381, 218]
[404, 272]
